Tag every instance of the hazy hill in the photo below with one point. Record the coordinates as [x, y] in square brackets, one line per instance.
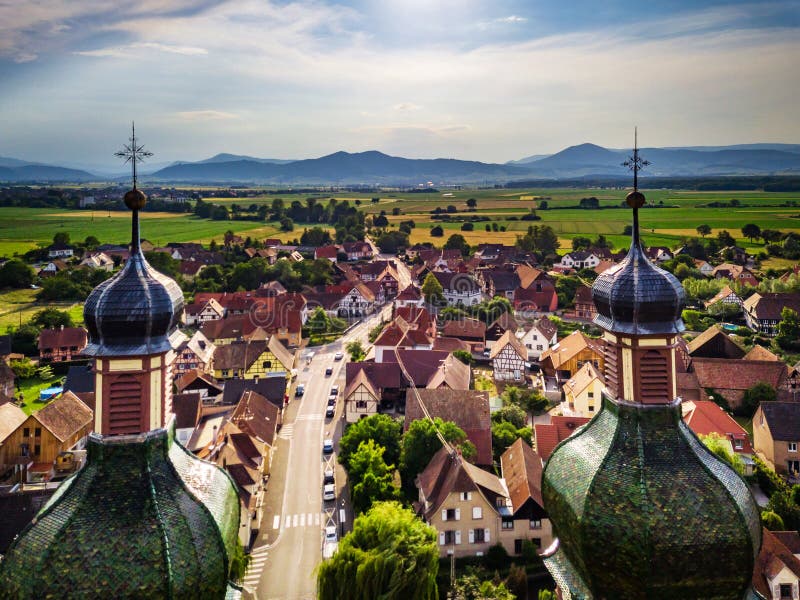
[344, 167]
[225, 157]
[37, 173]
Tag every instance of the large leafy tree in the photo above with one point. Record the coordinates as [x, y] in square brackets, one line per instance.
[356, 351]
[385, 430]
[372, 479]
[703, 230]
[390, 554]
[760, 392]
[52, 318]
[788, 329]
[751, 231]
[16, 274]
[432, 289]
[457, 242]
[504, 434]
[421, 442]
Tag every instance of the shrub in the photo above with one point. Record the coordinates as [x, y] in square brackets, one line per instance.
[496, 557]
[772, 521]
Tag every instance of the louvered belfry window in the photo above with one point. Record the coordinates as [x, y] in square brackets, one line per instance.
[610, 353]
[125, 406]
[653, 378]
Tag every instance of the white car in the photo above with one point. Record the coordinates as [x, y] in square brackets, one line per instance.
[330, 534]
[327, 446]
[338, 356]
[329, 492]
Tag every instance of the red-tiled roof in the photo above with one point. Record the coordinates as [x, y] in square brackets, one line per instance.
[256, 416]
[521, 467]
[721, 373]
[64, 337]
[548, 436]
[465, 329]
[65, 416]
[772, 559]
[187, 409]
[705, 417]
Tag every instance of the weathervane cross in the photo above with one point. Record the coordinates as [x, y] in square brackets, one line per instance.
[133, 153]
[635, 163]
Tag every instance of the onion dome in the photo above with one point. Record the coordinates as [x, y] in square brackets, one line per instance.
[144, 518]
[644, 511]
[139, 309]
[635, 296]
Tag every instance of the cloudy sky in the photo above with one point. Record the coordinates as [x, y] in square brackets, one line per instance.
[484, 80]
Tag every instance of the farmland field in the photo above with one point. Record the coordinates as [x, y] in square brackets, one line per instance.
[677, 215]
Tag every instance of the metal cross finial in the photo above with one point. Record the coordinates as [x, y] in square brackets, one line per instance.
[635, 163]
[133, 153]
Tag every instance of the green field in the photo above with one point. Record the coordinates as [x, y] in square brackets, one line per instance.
[22, 229]
[18, 306]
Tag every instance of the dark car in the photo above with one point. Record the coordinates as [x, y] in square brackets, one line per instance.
[329, 411]
[299, 390]
[328, 371]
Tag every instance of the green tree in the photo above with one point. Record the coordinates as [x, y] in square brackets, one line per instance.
[771, 235]
[390, 242]
[566, 286]
[788, 336]
[464, 356]
[470, 586]
[316, 236]
[91, 242]
[390, 554]
[24, 340]
[468, 226]
[437, 231]
[722, 449]
[472, 203]
[784, 503]
[372, 480]
[457, 242]
[725, 239]
[62, 237]
[421, 442]
[163, 263]
[504, 434]
[517, 581]
[510, 413]
[356, 351]
[703, 230]
[760, 392]
[581, 243]
[431, 289]
[772, 521]
[383, 429]
[539, 238]
[23, 369]
[286, 224]
[52, 318]
[319, 321]
[751, 231]
[16, 274]
[528, 400]
[547, 595]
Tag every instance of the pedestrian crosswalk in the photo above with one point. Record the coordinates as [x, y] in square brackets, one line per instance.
[287, 431]
[258, 558]
[312, 519]
[309, 417]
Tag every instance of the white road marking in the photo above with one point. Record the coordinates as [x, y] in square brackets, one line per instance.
[310, 517]
[276, 522]
[316, 519]
[302, 520]
[295, 521]
[287, 521]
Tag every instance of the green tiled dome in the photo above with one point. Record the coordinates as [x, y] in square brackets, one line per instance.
[143, 519]
[643, 510]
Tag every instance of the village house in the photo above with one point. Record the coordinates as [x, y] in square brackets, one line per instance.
[575, 261]
[252, 360]
[199, 382]
[584, 304]
[762, 312]
[498, 281]
[704, 267]
[401, 334]
[468, 330]
[658, 254]
[329, 252]
[361, 398]
[469, 409]
[542, 335]
[521, 467]
[776, 434]
[11, 417]
[732, 378]
[60, 250]
[725, 296]
[195, 353]
[459, 289]
[509, 358]
[62, 344]
[570, 354]
[61, 426]
[357, 251]
[358, 302]
[53, 267]
[705, 417]
[583, 392]
[409, 296]
[188, 409]
[198, 313]
[98, 260]
[776, 575]
[499, 326]
[714, 343]
[736, 273]
[537, 291]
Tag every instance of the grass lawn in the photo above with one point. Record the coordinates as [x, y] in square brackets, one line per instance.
[747, 425]
[18, 307]
[30, 389]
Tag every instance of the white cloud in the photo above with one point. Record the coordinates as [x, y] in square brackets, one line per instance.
[511, 19]
[131, 50]
[406, 106]
[25, 57]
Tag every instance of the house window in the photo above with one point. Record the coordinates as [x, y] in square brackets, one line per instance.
[539, 347]
[786, 591]
[518, 546]
[37, 432]
[26, 432]
[37, 450]
[590, 394]
[479, 536]
[449, 537]
[477, 512]
[535, 523]
[267, 364]
[466, 496]
[361, 404]
[591, 408]
[508, 524]
[451, 514]
[792, 446]
[738, 444]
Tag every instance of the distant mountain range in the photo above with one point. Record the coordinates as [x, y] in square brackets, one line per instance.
[372, 167]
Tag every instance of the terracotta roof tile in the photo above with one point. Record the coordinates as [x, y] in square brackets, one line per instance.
[548, 436]
[521, 467]
[65, 416]
[705, 417]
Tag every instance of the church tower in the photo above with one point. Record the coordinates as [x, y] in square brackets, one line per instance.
[641, 509]
[144, 518]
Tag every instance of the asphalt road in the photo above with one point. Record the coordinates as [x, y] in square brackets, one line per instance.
[289, 546]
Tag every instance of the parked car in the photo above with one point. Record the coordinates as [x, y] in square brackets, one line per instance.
[338, 356]
[330, 410]
[335, 389]
[299, 390]
[328, 371]
[328, 476]
[330, 534]
[327, 446]
[332, 401]
[329, 492]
